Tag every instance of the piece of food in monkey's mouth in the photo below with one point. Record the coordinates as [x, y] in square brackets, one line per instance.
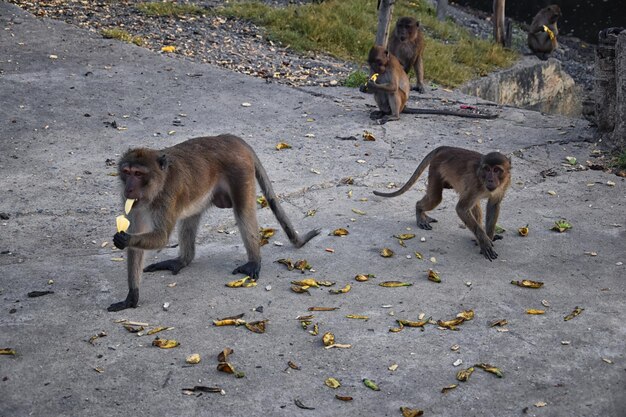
[128, 205]
[122, 223]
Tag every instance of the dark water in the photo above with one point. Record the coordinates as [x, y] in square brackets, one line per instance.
[581, 18]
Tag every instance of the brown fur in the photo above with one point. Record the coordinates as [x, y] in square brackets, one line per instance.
[538, 39]
[407, 44]
[474, 177]
[178, 184]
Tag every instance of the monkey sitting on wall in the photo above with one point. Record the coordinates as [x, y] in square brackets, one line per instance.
[543, 31]
[407, 44]
[390, 85]
[474, 177]
[178, 184]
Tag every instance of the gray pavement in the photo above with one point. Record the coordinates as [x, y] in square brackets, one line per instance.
[62, 118]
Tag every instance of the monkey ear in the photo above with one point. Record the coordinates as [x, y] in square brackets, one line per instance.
[162, 160]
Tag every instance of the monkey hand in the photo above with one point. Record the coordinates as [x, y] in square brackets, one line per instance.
[363, 88]
[488, 251]
[121, 240]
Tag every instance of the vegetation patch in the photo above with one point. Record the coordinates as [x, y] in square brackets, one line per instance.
[346, 29]
[121, 35]
[169, 9]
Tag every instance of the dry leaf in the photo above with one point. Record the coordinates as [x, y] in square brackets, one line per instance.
[322, 309]
[299, 404]
[262, 201]
[357, 316]
[464, 374]
[339, 232]
[342, 290]
[165, 343]
[392, 284]
[370, 384]
[411, 412]
[357, 211]
[386, 253]
[407, 323]
[8, 351]
[223, 355]
[448, 388]
[193, 359]
[282, 145]
[328, 339]
[244, 282]
[229, 322]
[158, 329]
[300, 289]
[256, 326]
[523, 231]
[526, 283]
[535, 311]
[309, 282]
[332, 383]
[405, 236]
[490, 368]
[574, 313]
[343, 398]
[368, 136]
[433, 276]
[501, 322]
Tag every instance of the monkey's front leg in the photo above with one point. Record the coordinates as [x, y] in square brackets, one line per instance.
[135, 263]
[485, 243]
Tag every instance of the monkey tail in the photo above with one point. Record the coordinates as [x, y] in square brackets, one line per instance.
[409, 110]
[272, 200]
[418, 171]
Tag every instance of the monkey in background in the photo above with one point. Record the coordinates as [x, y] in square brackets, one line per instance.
[178, 184]
[474, 177]
[543, 32]
[407, 44]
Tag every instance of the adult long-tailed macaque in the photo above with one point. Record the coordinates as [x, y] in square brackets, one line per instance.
[473, 176]
[180, 183]
[407, 44]
[390, 85]
[543, 31]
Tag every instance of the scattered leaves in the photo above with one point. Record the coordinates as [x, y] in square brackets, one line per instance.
[262, 201]
[193, 359]
[535, 311]
[408, 323]
[386, 253]
[464, 374]
[368, 136]
[299, 404]
[308, 282]
[8, 351]
[342, 290]
[357, 316]
[405, 236]
[448, 388]
[523, 231]
[328, 339]
[202, 388]
[501, 322]
[323, 309]
[343, 398]
[411, 412]
[256, 326]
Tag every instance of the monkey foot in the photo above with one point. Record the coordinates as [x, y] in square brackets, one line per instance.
[376, 114]
[252, 269]
[419, 88]
[174, 265]
[425, 221]
[497, 237]
[130, 302]
[489, 253]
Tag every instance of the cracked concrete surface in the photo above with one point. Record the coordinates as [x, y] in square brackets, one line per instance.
[61, 203]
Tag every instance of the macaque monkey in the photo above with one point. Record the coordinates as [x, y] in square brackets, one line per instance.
[407, 44]
[178, 184]
[473, 176]
[390, 85]
[543, 31]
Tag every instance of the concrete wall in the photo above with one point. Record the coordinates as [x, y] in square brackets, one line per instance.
[619, 133]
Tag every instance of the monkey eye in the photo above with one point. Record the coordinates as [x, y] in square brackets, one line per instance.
[497, 170]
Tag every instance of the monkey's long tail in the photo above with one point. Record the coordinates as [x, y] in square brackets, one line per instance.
[449, 113]
[418, 171]
[272, 200]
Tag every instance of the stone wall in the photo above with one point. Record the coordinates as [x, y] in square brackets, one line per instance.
[610, 86]
[530, 84]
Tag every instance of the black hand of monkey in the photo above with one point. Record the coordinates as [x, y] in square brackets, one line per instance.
[121, 240]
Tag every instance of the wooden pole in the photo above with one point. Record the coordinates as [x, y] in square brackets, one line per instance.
[498, 21]
[442, 9]
[385, 10]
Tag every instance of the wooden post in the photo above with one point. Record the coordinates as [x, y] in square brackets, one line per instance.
[385, 10]
[498, 22]
[605, 85]
[442, 9]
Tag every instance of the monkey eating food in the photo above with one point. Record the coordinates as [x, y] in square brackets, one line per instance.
[390, 85]
[543, 31]
[474, 177]
[178, 184]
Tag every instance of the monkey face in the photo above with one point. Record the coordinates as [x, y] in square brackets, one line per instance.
[142, 172]
[378, 59]
[555, 13]
[406, 28]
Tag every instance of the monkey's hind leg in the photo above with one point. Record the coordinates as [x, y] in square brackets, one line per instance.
[244, 206]
[188, 229]
[434, 194]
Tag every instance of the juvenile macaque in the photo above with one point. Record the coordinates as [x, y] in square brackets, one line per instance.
[474, 177]
[542, 35]
[178, 184]
[407, 44]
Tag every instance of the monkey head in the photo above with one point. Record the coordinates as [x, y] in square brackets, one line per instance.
[378, 59]
[406, 28]
[554, 13]
[143, 172]
[494, 170]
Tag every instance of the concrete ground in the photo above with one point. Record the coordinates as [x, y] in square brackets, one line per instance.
[70, 101]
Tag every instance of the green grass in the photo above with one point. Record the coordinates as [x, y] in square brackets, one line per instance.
[121, 35]
[620, 161]
[346, 29]
[169, 9]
